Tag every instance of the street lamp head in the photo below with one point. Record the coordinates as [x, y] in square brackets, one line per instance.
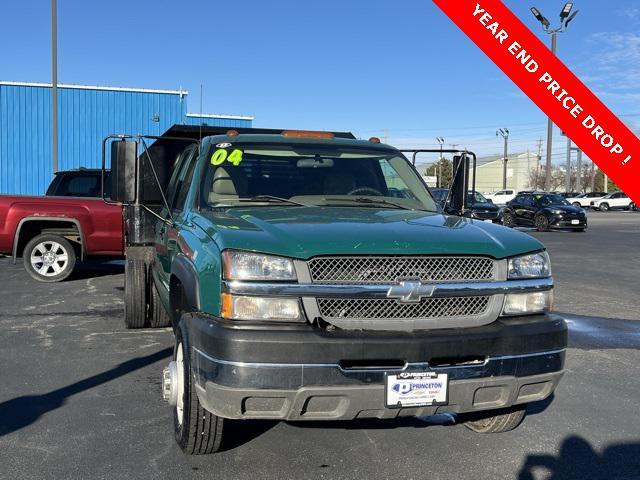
[541, 18]
[571, 17]
[566, 10]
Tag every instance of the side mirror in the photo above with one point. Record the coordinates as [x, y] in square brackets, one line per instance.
[459, 184]
[489, 200]
[123, 171]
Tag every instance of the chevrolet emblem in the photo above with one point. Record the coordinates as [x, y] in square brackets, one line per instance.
[410, 290]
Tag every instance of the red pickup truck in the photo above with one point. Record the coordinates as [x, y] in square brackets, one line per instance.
[71, 222]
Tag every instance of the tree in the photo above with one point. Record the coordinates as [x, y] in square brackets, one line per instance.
[441, 168]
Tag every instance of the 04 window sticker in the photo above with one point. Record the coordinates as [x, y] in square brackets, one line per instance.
[222, 155]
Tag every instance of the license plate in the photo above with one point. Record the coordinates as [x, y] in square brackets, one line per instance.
[575, 222]
[416, 389]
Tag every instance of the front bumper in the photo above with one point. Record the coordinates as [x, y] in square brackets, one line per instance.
[305, 373]
[566, 221]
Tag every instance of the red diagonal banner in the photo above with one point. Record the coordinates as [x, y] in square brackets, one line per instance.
[552, 87]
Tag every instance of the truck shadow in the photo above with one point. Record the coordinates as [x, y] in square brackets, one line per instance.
[22, 411]
[96, 268]
[578, 460]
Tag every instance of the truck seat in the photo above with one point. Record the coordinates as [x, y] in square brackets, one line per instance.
[228, 184]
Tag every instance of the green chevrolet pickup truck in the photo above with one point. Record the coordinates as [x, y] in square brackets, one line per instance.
[311, 277]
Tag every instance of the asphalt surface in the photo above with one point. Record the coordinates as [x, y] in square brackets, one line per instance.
[80, 395]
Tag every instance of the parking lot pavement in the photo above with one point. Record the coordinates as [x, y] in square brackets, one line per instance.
[81, 398]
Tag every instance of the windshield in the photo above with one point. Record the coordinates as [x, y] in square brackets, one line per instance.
[287, 175]
[551, 200]
[476, 197]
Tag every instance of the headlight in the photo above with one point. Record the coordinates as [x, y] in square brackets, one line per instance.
[240, 307]
[534, 265]
[556, 212]
[527, 303]
[255, 266]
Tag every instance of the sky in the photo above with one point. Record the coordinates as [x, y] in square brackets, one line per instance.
[398, 70]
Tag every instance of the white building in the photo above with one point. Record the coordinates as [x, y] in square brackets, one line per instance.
[519, 165]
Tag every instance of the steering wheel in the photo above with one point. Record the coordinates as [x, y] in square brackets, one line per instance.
[365, 191]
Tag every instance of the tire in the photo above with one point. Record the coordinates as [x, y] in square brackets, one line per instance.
[542, 223]
[197, 431]
[135, 293]
[577, 204]
[495, 421]
[49, 258]
[632, 207]
[158, 316]
[603, 207]
[508, 220]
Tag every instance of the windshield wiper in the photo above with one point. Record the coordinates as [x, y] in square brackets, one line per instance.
[271, 198]
[380, 201]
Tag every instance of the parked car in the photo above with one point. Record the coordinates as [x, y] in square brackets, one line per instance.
[569, 194]
[612, 201]
[544, 211]
[584, 200]
[478, 207]
[501, 197]
[299, 289]
[70, 223]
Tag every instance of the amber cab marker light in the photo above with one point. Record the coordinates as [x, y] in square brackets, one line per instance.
[374, 140]
[306, 134]
[232, 133]
[227, 306]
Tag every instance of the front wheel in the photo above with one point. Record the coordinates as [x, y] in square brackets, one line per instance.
[197, 431]
[49, 258]
[508, 220]
[542, 223]
[577, 204]
[604, 207]
[495, 421]
[632, 207]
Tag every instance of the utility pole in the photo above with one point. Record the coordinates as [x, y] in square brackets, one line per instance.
[579, 168]
[385, 135]
[567, 182]
[54, 83]
[505, 135]
[565, 17]
[593, 176]
[440, 140]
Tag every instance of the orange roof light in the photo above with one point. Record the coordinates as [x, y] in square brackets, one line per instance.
[374, 140]
[306, 134]
[232, 133]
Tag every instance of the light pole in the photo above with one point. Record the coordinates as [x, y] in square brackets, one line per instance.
[565, 17]
[54, 84]
[504, 132]
[440, 140]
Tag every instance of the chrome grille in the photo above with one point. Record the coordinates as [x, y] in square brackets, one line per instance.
[374, 269]
[384, 308]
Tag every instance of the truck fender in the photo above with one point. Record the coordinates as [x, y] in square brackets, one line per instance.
[183, 269]
[36, 218]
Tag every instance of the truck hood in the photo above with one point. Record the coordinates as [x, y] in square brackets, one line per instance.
[304, 232]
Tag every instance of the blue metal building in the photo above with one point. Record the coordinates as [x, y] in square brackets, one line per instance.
[86, 114]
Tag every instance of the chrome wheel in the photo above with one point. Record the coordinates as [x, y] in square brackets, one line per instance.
[49, 258]
[179, 387]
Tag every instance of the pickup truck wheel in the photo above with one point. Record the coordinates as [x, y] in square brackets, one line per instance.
[158, 316]
[135, 293]
[49, 258]
[197, 431]
[495, 421]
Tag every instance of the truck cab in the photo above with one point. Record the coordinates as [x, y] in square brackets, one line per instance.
[311, 277]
